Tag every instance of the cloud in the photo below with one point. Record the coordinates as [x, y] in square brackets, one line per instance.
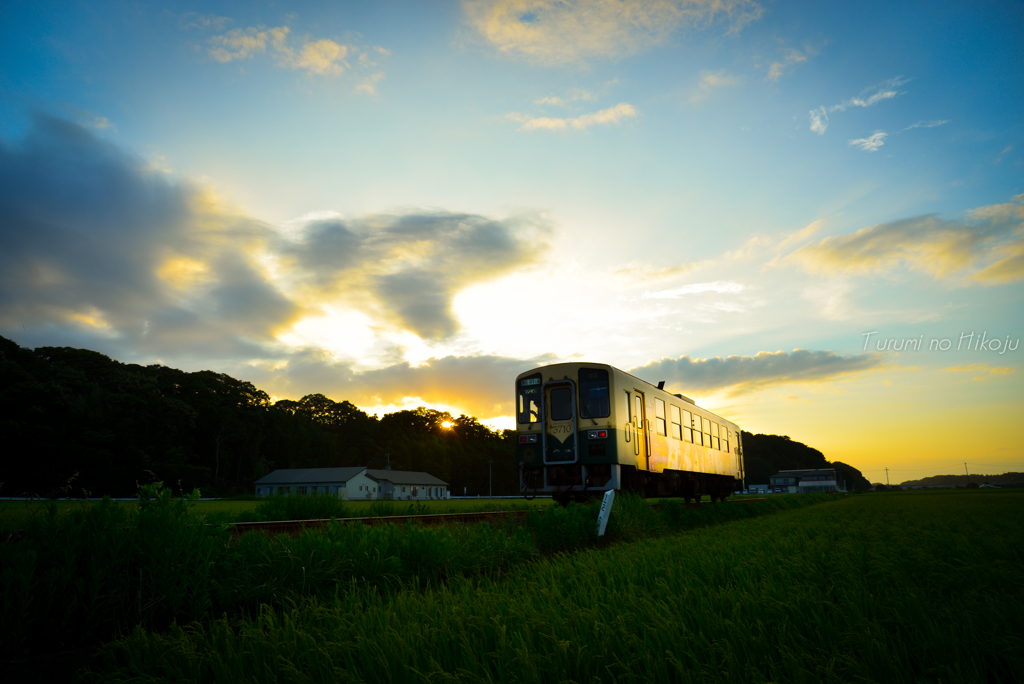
[819, 120]
[636, 272]
[986, 247]
[980, 368]
[369, 84]
[718, 286]
[873, 95]
[319, 57]
[1006, 214]
[105, 252]
[866, 98]
[323, 57]
[574, 31]
[94, 242]
[710, 80]
[574, 95]
[741, 374]
[792, 57]
[927, 124]
[612, 115]
[405, 269]
[872, 143]
[246, 43]
[479, 385]
[194, 20]
[102, 123]
[986, 372]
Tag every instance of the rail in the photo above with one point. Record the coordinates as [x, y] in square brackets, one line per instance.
[294, 527]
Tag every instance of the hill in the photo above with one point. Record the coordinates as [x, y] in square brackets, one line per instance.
[962, 480]
[765, 455]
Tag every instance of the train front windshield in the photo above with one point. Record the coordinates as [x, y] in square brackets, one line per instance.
[594, 393]
[528, 394]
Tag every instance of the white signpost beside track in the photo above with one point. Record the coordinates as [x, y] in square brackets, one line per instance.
[606, 510]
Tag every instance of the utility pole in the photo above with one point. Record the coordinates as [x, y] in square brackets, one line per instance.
[968, 474]
[886, 478]
[490, 478]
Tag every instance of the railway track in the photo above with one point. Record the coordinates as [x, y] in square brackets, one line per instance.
[296, 527]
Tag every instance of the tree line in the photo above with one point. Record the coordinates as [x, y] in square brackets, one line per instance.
[77, 423]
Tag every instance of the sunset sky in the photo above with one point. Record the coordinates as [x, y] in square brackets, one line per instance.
[797, 213]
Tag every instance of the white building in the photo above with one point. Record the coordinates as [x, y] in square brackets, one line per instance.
[805, 481]
[353, 484]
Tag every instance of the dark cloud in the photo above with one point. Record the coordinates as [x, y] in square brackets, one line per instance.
[407, 268]
[420, 299]
[99, 249]
[480, 385]
[484, 385]
[748, 373]
[94, 242]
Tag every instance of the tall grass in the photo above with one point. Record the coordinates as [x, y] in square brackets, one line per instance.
[893, 589]
[98, 571]
[102, 569]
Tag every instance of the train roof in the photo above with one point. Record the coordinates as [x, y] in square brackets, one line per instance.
[630, 375]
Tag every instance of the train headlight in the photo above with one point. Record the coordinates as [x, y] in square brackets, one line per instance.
[527, 439]
[597, 434]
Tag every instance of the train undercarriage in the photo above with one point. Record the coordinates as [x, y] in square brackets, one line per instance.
[575, 482]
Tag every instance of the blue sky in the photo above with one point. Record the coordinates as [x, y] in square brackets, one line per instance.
[409, 203]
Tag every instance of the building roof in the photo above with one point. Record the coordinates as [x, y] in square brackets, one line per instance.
[405, 477]
[287, 476]
[805, 473]
[301, 475]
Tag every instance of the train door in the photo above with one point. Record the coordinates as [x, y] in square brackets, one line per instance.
[560, 422]
[638, 426]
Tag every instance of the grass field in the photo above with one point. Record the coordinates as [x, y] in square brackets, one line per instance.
[882, 588]
[93, 573]
[17, 514]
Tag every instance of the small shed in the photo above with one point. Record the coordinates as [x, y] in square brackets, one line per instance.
[354, 483]
[345, 483]
[410, 485]
[807, 480]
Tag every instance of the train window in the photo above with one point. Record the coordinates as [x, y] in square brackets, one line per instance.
[528, 392]
[594, 401]
[725, 439]
[687, 426]
[561, 403]
[677, 423]
[659, 416]
[715, 444]
[707, 432]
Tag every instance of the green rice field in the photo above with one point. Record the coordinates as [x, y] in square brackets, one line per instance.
[893, 587]
[901, 588]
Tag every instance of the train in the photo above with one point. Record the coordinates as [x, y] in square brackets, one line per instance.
[585, 428]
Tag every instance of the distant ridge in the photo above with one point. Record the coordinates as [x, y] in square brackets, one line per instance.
[961, 480]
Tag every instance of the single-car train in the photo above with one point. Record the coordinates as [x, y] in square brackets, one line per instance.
[585, 428]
